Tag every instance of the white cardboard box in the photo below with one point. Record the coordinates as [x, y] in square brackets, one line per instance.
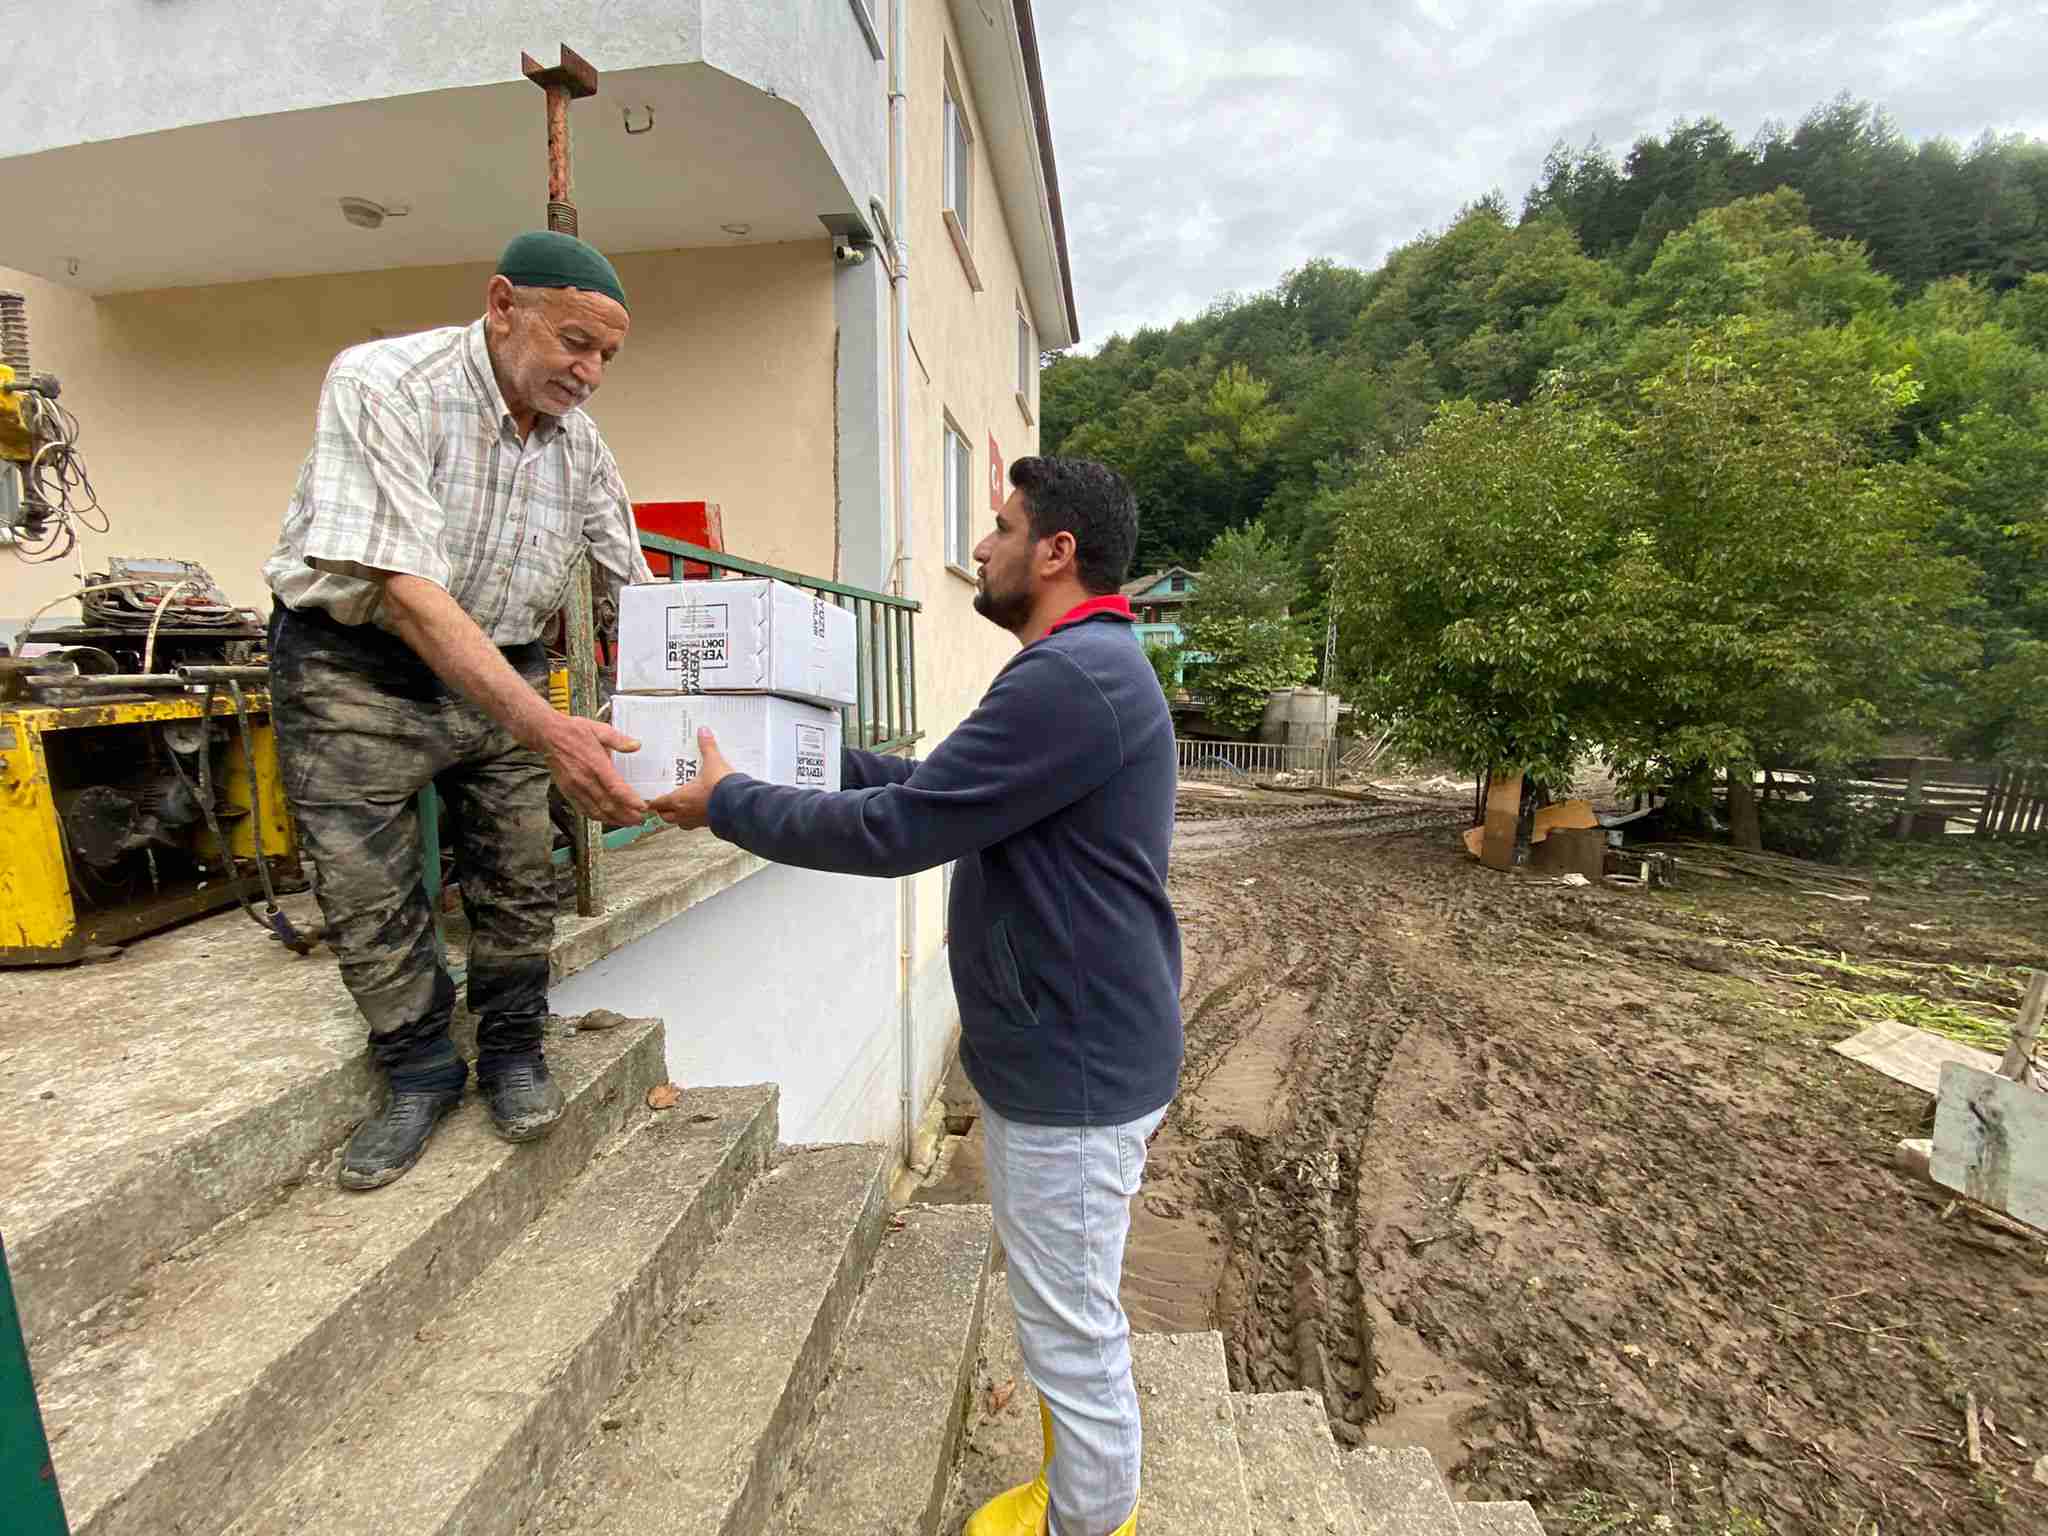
[777, 740]
[734, 636]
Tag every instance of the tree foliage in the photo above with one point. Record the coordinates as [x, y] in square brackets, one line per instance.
[1239, 621]
[1716, 573]
[1812, 260]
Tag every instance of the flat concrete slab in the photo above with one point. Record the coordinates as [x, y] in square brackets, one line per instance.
[1399, 1492]
[182, 1399]
[1507, 1518]
[701, 1441]
[143, 1101]
[1291, 1472]
[465, 1426]
[887, 1427]
[1000, 1441]
[1194, 1476]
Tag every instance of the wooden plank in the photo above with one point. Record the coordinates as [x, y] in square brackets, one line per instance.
[1989, 812]
[2015, 803]
[2019, 1056]
[1991, 1142]
[1503, 817]
[1915, 1057]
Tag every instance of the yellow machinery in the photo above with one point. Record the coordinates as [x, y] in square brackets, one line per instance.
[112, 813]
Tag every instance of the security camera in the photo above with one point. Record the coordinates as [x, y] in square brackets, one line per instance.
[848, 255]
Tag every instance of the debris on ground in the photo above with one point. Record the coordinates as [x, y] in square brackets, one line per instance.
[1910, 1056]
[664, 1096]
[1568, 1187]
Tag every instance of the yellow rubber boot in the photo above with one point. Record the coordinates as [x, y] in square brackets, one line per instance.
[1020, 1511]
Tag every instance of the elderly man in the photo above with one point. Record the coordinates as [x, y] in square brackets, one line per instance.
[1056, 797]
[453, 487]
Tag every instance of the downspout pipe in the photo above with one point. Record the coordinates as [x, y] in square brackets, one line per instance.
[900, 565]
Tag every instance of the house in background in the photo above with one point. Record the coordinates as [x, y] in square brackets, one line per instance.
[1157, 600]
[837, 314]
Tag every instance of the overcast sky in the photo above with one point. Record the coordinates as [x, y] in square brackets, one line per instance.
[1209, 147]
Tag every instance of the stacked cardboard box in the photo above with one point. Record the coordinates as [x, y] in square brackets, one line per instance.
[764, 665]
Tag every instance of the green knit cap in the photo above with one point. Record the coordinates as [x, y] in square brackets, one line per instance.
[541, 258]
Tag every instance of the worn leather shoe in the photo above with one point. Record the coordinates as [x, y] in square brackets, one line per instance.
[391, 1141]
[524, 1100]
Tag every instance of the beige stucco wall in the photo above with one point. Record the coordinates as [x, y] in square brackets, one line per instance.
[964, 364]
[197, 403]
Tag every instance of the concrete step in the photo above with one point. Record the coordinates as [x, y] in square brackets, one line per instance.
[1508, 1517]
[1194, 1477]
[463, 1427]
[171, 1407]
[1399, 1492]
[887, 1427]
[1291, 1471]
[701, 1441]
[149, 1100]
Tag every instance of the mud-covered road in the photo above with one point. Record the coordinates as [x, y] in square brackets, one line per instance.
[1564, 1184]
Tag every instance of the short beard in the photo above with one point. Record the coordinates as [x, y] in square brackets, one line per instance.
[1011, 611]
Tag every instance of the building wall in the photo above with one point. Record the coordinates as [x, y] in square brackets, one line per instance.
[788, 977]
[963, 364]
[197, 404]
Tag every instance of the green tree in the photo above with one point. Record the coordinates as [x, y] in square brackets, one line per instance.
[1239, 620]
[1721, 574]
[1784, 599]
[1466, 577]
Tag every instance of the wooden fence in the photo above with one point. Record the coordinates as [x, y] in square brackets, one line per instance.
[1993, 801]
[2016, 804]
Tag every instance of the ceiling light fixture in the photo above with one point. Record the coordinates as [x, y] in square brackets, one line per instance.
[364, 214]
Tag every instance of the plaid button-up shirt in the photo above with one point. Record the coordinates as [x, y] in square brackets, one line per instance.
[416, 467]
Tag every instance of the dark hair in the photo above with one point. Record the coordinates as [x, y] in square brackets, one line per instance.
[1090, 501]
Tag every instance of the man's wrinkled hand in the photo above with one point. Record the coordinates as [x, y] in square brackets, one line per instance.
[689, 805]
[579, 754]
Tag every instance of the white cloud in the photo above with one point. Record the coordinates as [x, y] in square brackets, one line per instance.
[1206, 147]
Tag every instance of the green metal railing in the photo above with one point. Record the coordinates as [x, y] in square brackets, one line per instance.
[884, 715]
[882, 718]
[28, 1479]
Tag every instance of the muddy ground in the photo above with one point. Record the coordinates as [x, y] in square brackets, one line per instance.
[1565, 1185]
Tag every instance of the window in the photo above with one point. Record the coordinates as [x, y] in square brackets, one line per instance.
[1180, 583]
[959, 479]
[958, 204]
[1027, 361]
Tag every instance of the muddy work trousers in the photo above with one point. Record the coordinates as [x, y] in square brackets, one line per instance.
[362, 725]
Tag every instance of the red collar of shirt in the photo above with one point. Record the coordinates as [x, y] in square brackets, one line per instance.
[1116, 603]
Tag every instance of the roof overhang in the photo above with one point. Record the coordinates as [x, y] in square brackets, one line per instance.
[665, 157]
[1001, 59]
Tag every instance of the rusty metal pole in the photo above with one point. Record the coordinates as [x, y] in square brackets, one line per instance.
[571, 80]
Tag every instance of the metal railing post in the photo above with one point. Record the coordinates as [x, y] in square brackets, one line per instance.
[28, 1478]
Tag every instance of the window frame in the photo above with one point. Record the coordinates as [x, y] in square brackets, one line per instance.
[958, 482]
[1027, 354]
[956, 172]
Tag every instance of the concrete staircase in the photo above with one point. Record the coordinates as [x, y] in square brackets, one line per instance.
[651, 1322]
[1218, 1461]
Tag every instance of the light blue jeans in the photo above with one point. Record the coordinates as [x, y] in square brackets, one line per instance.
[1062, 1199]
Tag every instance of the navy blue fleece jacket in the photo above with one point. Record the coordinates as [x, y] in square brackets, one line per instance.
[1056, 798]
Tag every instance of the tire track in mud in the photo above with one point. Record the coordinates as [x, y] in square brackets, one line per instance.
[1278, 1183]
